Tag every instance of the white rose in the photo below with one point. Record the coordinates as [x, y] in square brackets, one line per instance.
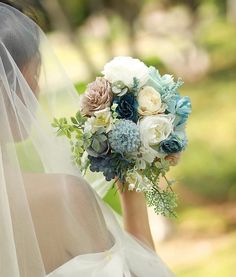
[125, 69]
[143, 156]
[149, 101]
[148, 155]
[154, 129]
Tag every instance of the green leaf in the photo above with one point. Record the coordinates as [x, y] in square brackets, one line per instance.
[95, 145]
[73, 120]
[163, 201]
[102, 137]
[81, 119]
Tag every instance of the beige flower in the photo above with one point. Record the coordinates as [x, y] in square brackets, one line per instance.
[98, 96]
[149, 101]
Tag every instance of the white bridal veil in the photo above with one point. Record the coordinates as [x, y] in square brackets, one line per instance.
[52, 223]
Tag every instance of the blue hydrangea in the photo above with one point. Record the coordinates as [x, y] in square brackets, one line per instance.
[124, 137]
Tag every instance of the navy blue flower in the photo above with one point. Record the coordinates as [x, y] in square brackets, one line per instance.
[173, 144]
[112, 165]
[127, 107]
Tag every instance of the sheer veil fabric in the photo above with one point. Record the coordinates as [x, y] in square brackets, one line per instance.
[52, 222]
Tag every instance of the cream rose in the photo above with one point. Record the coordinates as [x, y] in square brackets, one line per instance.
[125, 69]
[149, 101]
[154, 129]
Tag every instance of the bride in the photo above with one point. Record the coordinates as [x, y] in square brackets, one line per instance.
[52, 221]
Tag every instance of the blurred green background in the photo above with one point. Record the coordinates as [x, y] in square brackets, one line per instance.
[194, 39]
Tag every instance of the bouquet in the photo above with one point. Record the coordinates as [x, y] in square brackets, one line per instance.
[131, 127]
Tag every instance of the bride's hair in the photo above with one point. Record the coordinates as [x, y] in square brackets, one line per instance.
[16, 38]
[19, 48]
[12, 4]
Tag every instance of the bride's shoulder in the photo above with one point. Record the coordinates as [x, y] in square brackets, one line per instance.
[55, 185]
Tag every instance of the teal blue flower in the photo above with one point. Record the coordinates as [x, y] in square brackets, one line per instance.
[173, 144]
[124, 137]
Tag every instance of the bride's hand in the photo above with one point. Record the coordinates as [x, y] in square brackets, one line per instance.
[135, 214]
[134, 209]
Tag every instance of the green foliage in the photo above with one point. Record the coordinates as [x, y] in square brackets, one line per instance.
[73, 130]
[163, 199]
[135, 87]
[64, 129]
[80, 87]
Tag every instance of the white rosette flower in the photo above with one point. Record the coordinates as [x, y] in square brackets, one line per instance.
[149, 101]
[102, 118]
[153, 130]
[133, 178]
[137, 182]
[125, 69]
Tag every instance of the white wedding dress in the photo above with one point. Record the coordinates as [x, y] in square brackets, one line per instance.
[53, 223]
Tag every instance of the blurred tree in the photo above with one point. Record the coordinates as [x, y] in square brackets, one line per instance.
[64, 16]
[231, 11]
[129, 11]
[192, 6]
[221, 5]
[69, 16]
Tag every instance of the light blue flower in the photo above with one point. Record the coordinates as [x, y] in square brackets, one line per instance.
[124, 137]
[168, 89]
[182, 110]
[172, 103]
[165, 85]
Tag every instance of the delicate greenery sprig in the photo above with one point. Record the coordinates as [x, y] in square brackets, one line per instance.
[135, 87]
[73, 130]
[163, 199]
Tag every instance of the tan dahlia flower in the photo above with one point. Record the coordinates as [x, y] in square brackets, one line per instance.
[97, 97]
